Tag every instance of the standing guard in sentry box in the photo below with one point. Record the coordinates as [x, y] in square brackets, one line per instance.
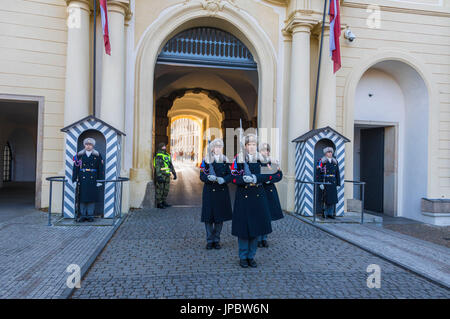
[87, 169]
[251, 214]
[328, 168]
[272, 169]
[216, 203]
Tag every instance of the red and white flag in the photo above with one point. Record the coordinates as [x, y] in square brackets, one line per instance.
[335, 33]
[104, 15]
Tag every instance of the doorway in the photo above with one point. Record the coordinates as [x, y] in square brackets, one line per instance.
[206, 81]
[375, 162]
[19, 172]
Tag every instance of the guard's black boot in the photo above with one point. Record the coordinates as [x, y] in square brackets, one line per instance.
[90, 219]
[265, 243]
[209, 246]
[217, 246]
[252, 263]
[165, 204]
[243, 263]
[161, 206]
[332, 217]
[260, 244]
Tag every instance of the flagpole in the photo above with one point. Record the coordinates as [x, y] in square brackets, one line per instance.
[95, 57]
[320, 62]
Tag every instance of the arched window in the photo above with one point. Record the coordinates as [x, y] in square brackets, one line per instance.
[7, 163]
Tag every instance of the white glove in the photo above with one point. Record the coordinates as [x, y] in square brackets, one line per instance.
[212, 178]
[322, 187]
[220, 180]
[268, 182]
[99, 184]
[254, 178]
[248, 179]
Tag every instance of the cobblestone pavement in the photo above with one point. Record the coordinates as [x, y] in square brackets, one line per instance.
[435, 234]
[34, 257]
[161, 254]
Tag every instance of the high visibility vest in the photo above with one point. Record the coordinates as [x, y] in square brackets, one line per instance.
[166, 160]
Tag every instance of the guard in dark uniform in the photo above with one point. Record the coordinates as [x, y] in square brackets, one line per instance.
[163, 167]
[87, 169]
[251, 214]
[271, 191]
[328, 171]
[216, 203]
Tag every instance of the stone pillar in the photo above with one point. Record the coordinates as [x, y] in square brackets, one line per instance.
[76, 100]
[326, 103]
[112, 109]
[299, 100]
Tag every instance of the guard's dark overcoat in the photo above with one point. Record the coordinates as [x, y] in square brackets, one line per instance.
[272, 195]
[87, 178]
[329, 171]
[251, 214]
[216, 202]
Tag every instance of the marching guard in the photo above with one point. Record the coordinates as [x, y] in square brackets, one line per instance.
[87, 169]
[216, 203]
[328, 171]
[251, 214]
[271, 191]
[163, 167]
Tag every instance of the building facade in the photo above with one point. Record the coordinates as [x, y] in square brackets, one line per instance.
[391, 98]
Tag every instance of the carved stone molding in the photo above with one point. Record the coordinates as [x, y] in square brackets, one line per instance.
[213, 6]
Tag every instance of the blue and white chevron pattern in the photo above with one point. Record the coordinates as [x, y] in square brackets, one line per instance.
[112, 164]
[305, 169]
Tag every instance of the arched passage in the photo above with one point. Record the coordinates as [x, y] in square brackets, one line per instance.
[173, 21]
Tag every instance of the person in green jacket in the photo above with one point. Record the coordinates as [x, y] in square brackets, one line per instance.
[163, 168]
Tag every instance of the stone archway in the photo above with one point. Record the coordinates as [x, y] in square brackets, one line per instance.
[169, 23]
[231, 111]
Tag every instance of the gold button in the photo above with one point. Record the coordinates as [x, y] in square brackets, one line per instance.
[257, 195]
[270, 190]
[214, 189]
[246, 196]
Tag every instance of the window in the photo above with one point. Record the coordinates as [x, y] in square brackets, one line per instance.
[7, 161]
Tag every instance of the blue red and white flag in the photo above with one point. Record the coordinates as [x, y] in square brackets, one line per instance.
[234, 167]
[335, 33]
[203, 167]
[104, 15]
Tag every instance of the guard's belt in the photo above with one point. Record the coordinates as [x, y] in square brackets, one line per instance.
[88, 170]
[253, 185]
[329, 175]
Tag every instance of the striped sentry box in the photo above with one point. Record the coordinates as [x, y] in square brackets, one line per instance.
[305, 168]
[111, 163]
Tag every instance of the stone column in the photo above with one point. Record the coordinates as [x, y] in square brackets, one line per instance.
[76, 100]
[326, 103]
[299, 100]
[112, 109]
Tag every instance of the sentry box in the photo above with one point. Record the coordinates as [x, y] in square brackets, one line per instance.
[108, 144]
[308, 150]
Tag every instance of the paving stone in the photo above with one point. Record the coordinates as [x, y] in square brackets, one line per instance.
[161, 253]
[34, 257]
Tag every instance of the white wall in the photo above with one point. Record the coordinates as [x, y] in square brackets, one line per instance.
[399, 96]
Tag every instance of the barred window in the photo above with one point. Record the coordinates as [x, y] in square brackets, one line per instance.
[7, 161]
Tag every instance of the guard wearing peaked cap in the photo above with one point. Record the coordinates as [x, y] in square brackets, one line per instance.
[328, 171]
[216, 203]
[88, 167]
